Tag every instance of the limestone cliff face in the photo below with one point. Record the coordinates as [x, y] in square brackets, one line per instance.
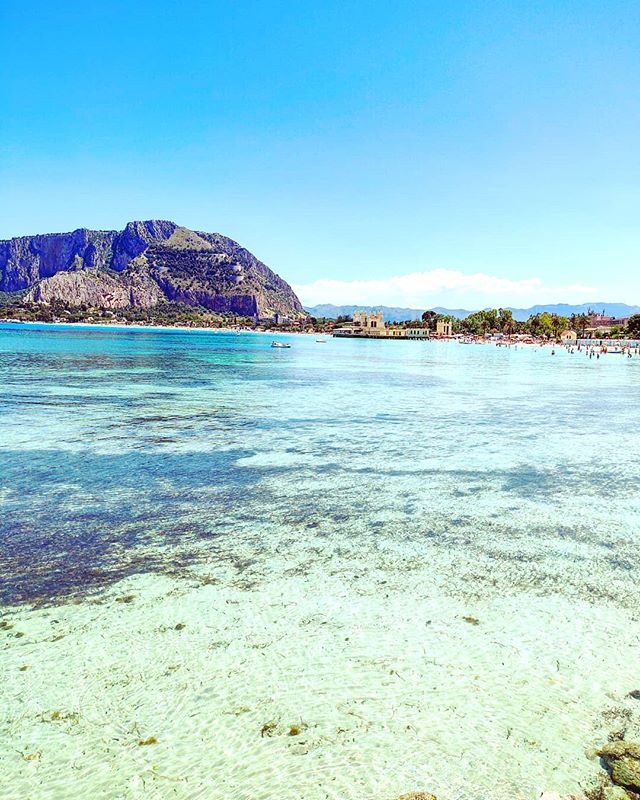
[28, 259]
[144, 264]
[90, 287]
[137, 237]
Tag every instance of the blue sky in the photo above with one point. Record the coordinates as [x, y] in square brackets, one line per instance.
[403, 152]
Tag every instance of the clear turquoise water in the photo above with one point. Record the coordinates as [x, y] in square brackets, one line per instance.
[321, 520]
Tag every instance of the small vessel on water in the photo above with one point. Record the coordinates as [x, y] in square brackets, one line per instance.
[280, 344]
[321, 341]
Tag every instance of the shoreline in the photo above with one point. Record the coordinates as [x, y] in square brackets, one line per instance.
[627, 343]
[135, 326]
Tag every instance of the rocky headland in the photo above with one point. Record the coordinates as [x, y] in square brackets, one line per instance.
[141, 266]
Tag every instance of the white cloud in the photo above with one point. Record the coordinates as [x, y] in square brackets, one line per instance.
[442, 287]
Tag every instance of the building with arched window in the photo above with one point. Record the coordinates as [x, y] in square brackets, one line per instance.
[371, 325]
[373, 321]
[366, 324]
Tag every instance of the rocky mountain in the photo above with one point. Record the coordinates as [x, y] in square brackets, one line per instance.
[145, 264]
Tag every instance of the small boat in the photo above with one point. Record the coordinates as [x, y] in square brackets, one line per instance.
[280, 344]
[321, 341]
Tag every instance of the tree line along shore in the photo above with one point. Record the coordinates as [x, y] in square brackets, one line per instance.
[546, 326]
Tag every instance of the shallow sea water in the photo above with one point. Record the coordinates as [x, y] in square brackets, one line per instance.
[419, 558]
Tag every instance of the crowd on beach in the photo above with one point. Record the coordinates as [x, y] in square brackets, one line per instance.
[587, 347]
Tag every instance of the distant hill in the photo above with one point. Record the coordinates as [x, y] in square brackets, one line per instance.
[565, 310]
[391, 314]
[146, 264]
[396, 314]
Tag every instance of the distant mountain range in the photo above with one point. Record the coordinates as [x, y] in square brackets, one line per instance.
[391, 313]
[394, 314]
[146, 264]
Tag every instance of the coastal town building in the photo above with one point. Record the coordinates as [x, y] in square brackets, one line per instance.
[444, 327]
[599, 320]
[416, 333]
[365, 324]
[373, 321]
[371, 325]
[347, 330]
[568, 337]
[602, 324]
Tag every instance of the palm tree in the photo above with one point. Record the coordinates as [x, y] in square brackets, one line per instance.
[506, 321]
[580, 322]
